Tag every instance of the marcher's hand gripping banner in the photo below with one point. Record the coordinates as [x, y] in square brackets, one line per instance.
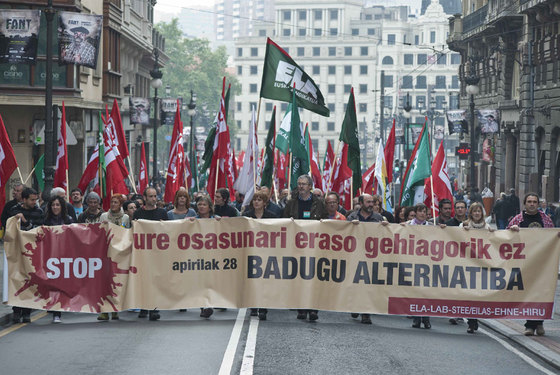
[284, 263]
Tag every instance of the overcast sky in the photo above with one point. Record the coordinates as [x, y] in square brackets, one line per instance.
[172, 6]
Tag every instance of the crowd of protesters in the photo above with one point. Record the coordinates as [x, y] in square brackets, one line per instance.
[304, 203]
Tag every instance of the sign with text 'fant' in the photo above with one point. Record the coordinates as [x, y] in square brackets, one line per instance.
[281, 263]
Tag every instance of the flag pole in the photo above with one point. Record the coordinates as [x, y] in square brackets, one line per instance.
[30, 174]
[131, 175]
[67, 185]
[290, 173]
[19, 172]
[329, 185]
[432, 193]
[253, 148]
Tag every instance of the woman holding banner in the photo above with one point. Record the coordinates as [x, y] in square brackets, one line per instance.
[475, 220]
[182, 204]
[257, 210]
[56, 214]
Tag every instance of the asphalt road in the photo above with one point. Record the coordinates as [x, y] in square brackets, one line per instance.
[183, 343]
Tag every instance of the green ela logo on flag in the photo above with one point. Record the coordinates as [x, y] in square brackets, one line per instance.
[287, 75]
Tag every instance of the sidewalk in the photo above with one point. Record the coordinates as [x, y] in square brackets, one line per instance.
[545, 347]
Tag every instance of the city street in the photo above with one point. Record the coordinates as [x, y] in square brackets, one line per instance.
[184, 343]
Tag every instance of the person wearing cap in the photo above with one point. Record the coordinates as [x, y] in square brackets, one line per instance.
[79, 51]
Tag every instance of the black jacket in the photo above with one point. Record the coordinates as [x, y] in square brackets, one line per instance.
[34, 216]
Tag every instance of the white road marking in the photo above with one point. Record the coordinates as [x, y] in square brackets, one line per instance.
[521, 355]
[249, 354]
[229, 355]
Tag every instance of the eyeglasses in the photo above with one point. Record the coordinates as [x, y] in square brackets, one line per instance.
[302, 183]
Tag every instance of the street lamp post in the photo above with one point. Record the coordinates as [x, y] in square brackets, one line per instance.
[472, 89]
[192, 112]
[407, 108]
[156, 83]
[50, 134]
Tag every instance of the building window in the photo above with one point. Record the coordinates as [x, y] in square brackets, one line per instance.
[332, 51]
[316, 51]
[347, 51]
[420, 102]
[253, 88]
[355, 32]
[238, 107]
[315, 126]
[302, 15]
[408, 59]
[283, 107]
[317, 32]
[300, 51]
[416, 40]
[388, 101]
[391, 39]
[240, 52]
[333, 31]
[347, 89]
[370, 31]
[363, 88]
[387, 60]
[302, 32]
[330, 106]
[330, 126]
[363, 69]
[286, 32]
[369, 17]
[440, 82]
[363, 51]
[421, 82]
[287, 15]
[268, 107]
[363, 107]
[251, 106]
[331, 89]
[406, 82]
[261, 33]
[347, 69]
[254, 51]
[334, 14]
[432, 36]
[238, 122]
[239, 70]
[254, 70]
[422, 59]
[332, 70]
[455, 82]
[442, 59]
[318, 14]
[388, 81]
[316, 69]
[455, 59]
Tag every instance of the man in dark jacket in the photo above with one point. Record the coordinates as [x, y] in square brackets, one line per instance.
[30, 216]
[16, 194]
[221, 204]
[500, 211]
[306, 206]
[365, 213]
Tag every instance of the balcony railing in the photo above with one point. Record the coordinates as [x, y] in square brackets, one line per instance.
[475, 19]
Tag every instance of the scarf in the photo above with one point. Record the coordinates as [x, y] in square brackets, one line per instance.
[474, 225]
[115, 218]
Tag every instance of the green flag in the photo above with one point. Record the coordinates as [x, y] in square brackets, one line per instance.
[281, 73]
[40, 172]
[283, 136]
[349, 135]
[209, 143]
[418, 169]
[268, 159]
[300, 155]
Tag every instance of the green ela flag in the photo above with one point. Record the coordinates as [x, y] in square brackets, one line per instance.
[268, 162]
[283, 136]
[281, 73]
[300, 156]
[40, 172]
[209, 143]
[419, 168]
[349, 135]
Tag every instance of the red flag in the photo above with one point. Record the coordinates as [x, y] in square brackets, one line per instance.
[390, 153]
[281, 162]
[234, 164]
[8, 163]
[220, 174]
[115, 171]
[176, 165]
[341, 171]
[61, 154]
[328, 165]
[116, 130]
[91, 171]
[143, 180]
[441, 182]
[368, 179]
[314, 165]
[239, 160]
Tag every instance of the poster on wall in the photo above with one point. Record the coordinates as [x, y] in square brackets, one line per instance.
[489, 120]
[140, 111]
[168, 110]
[19, 35]
[457, 121]
[78, 38]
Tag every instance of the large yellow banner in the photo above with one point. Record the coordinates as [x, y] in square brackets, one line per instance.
[284, 263]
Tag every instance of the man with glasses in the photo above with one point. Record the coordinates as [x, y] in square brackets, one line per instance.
[332, 202]
[305, 206]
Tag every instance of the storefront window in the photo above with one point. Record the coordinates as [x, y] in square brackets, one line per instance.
[14, 74]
